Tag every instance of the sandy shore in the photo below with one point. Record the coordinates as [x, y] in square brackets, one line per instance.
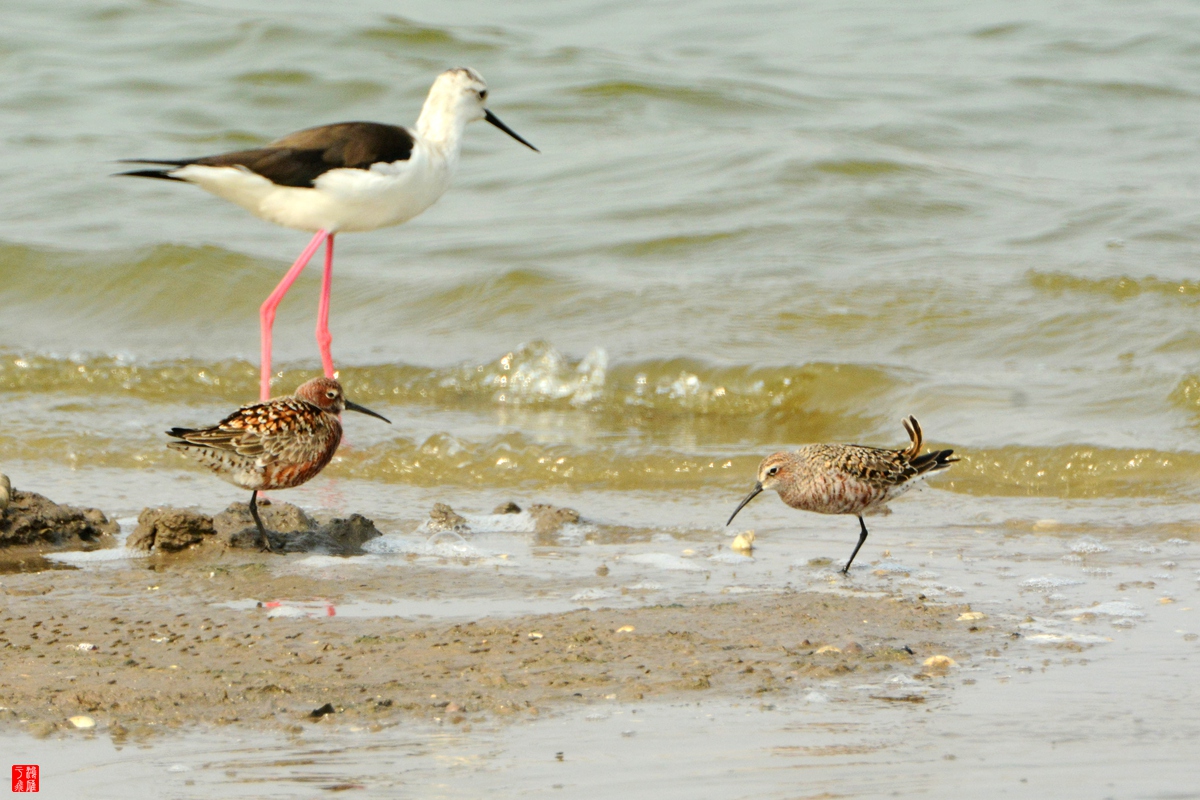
[167, 654]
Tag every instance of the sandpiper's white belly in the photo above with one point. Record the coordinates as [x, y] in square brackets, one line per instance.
[341, 200]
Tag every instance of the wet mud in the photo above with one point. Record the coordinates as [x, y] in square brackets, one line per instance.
[144, 649]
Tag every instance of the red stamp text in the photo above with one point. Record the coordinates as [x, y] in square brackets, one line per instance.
[26, 777]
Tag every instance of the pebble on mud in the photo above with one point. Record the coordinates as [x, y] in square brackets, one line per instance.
[317, 713]
[29, 518]
[82, 722]
[971, 616]
[5, 492]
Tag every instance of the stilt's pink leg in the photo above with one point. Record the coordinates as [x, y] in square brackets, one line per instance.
[266, 313]
[324, 337]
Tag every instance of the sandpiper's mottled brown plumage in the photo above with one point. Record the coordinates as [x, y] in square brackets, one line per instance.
[847, 478]
[278, 444]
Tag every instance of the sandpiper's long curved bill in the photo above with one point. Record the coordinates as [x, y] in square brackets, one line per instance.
[364, 410]
[753, 494]
[492, 118]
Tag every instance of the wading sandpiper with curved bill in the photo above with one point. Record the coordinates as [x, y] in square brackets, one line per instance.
[350, 176]
[847, 478]
[279, 444]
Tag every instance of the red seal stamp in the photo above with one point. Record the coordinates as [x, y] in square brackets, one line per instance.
[26, 777]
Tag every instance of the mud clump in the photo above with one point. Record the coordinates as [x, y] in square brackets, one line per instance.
[291, 530]
[28, 518]
[169, 530]
[287, 526]
[351, 533]
[445, 518]
[549, 520]
[507, 508]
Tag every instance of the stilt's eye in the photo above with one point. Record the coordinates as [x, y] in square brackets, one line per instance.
[483, 95]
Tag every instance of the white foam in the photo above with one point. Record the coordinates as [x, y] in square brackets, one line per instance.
[663, 561]
[80, 557]
[891, 566]
[730, 557]
[318, 561]
[1059, 638]
[501, 523]
[444, 544]
[1049, 582]
[539, 372]
[651, 586]
[1113, 608]
[1088, 546]
[590, 595]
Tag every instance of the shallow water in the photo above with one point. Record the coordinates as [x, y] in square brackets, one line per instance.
[750, 227]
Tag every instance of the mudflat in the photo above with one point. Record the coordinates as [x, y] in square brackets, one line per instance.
[169, 642]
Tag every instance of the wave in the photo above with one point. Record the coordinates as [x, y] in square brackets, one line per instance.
[521, 460]
[819, 398]
[1119, 287]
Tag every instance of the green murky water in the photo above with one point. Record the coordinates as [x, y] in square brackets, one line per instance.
[749, 228]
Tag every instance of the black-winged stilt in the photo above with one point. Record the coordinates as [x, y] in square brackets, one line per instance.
[350, 176]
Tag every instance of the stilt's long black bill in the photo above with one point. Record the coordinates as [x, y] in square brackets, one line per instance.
[753, 494]
[363, 410]
[492, 118]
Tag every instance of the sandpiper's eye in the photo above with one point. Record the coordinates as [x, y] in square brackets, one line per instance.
[331, 394]
[772, 472]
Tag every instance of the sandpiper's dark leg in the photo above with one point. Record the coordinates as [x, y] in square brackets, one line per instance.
[862, 537]
[262, 532]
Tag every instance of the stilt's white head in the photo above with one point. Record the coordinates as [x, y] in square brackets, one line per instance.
[457, 97]
[459, 93]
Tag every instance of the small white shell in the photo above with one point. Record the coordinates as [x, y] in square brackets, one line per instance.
[939, 665]
[743, 542]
